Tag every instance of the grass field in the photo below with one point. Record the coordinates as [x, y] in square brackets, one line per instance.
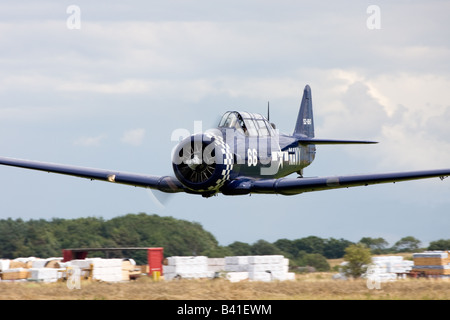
[316, 286]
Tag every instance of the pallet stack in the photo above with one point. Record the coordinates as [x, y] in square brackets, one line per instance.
[15, 274]
[187, 267]
[44, 274]
[433, 263]
[391, 264]
[130, 270]
[235, 268]
[108, 270]
[216, 264]
[258, 268]
[53, 269]
[30, 268]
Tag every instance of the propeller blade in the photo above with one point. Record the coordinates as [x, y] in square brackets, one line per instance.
[159, 198]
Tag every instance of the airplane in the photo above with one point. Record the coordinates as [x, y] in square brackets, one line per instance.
[244, 155]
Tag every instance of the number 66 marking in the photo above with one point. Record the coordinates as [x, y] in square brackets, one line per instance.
[252, 155]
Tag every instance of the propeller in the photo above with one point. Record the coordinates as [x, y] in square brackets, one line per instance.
[161, 199]
[193, 167]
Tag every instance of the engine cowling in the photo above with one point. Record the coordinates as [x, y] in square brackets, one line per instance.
[203, 163]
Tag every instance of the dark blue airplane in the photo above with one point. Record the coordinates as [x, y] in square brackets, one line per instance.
[245, 154]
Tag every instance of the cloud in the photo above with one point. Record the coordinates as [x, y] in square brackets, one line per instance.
[357, 113]
[90, 141]
[133, 137]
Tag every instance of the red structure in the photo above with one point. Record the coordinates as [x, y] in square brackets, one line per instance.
[155, 256]
[68, 255]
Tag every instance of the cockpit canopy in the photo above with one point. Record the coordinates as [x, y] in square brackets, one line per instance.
[251, 124]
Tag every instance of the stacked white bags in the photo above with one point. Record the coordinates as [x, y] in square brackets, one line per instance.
[386, 268]
[188, 267]
[216, 264]
[44, 274]
[109, 270]
[236, 268]
[4, 264]
[391, 264]
[258, 268]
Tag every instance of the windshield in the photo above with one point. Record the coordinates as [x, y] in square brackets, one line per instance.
[251, 124]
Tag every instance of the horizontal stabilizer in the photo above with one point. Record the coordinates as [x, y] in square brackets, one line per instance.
[306, 141]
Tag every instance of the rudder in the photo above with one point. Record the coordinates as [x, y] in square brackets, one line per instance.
[305, 121]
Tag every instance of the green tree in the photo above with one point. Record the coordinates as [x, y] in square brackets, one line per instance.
[335, 248]
[329, 248]
[407, 244]
[12, 238]
[311, 244]
[178, 237]
[42, 238]
[316, 260]
[287, 246]
[218, 252]
[262, 247]
[377, 245]
[240, 248]
[439, 245]
[358, 258]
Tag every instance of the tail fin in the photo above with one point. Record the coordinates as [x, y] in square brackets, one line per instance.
[305, 122]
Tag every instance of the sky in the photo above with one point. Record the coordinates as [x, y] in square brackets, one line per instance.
[104, 84]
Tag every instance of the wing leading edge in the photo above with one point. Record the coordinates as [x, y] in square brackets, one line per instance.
[162, 183]
[289, 186]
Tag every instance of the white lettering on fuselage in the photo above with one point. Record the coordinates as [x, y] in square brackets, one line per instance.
[292, 156]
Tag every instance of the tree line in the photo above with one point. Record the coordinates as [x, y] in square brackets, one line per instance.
[47, 238]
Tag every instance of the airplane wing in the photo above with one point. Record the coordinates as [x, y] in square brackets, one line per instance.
[290, 186]
[284, 186]
[162, 183]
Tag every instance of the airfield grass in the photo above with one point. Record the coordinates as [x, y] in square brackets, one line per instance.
[315, 286]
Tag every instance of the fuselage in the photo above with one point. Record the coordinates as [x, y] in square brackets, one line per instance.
[260, 151]
[244, 147]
